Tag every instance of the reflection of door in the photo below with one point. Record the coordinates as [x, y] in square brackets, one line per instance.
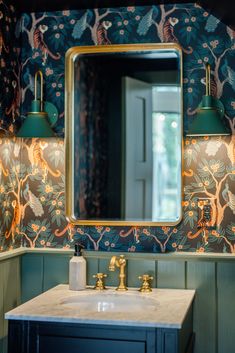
[138, 149]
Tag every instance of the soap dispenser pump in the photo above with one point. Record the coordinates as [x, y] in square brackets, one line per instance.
[77, 270]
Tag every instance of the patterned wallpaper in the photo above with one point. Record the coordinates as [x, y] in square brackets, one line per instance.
[32, 171]
[9, 70]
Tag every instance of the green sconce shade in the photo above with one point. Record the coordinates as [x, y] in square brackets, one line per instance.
[210, 113]
[38, 122]
[209, 118]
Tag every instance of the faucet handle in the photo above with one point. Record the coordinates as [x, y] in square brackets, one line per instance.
[99, 281]
[145, 287]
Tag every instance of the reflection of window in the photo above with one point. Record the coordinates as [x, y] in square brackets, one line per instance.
[166, 152]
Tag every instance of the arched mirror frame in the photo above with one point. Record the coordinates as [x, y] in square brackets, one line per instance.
[71, 56]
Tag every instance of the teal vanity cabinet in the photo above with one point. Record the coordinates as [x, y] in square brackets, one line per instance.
[50, 337]
[108, 321]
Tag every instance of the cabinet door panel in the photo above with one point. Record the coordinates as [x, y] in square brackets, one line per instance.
[48, 344]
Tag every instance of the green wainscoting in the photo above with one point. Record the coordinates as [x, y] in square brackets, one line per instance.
[40, 272]
[9, 294]
[226, 307]
[201, 276]
[213, 277]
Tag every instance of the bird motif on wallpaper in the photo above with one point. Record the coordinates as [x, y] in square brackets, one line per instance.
[33, 202]
[228, 73]
[80, 26]
[225, 192]
[102, 29]
[213, 146]
[229, 197]
[211, 23]
[39, 43]
[146, 22]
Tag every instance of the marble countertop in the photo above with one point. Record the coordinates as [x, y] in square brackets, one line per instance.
[160, 308]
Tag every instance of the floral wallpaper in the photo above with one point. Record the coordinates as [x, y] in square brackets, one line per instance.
[32, 171]
[9, 70]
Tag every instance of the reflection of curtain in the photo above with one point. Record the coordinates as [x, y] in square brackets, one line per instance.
[93, 141]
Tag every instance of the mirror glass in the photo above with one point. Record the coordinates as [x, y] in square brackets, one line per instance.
[124, 134]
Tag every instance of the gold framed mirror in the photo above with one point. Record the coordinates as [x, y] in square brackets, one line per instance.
[123, 138]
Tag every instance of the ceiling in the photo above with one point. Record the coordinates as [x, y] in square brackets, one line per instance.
[224, 10]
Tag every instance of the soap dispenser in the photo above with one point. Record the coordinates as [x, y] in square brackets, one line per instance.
[77, 270]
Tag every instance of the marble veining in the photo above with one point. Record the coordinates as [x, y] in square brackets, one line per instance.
[160, 308]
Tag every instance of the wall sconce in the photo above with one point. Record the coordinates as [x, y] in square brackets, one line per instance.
[210, 112]
[38, 122]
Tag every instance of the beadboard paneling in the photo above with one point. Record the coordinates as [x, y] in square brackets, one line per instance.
[31, 276]
[92, 269]
[226, 307]
[135, 270]
[201, 276]
[10, 291]
[171, 274]
[55, 270]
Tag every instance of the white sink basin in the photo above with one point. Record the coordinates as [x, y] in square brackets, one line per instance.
[111, 302]
[159, 308]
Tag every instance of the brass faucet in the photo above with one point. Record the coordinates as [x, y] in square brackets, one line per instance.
[120, 263]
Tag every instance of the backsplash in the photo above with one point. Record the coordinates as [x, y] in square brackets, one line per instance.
[32, 171]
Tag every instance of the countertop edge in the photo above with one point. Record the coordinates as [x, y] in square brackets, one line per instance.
[91, 321]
